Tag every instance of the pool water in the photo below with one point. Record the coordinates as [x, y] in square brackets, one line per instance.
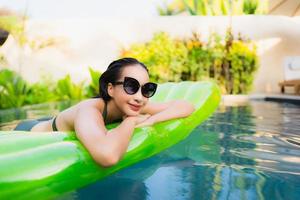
[244, 152]
[9, 118]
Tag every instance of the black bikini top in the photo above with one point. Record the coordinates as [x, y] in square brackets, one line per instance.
[104, 115]
[54, 128]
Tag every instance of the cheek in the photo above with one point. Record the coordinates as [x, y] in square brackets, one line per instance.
[122, 99]
[120, 95]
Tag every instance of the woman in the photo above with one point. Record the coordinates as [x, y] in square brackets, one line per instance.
[124, 93]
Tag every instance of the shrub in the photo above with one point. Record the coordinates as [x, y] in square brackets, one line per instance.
[215, 7]
[93, 88]
[231, 62]
[16, 92]
[13, 89]
[65, 89]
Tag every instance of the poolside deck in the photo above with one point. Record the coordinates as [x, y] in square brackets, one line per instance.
[238, 100]
[290, 98]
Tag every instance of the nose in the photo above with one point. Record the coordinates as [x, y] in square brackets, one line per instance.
[138, 97]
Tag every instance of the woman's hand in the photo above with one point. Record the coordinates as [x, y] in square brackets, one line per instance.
[137, 119]
[148, 122]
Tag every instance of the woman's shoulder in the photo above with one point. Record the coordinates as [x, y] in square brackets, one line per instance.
[97, 103]
[94, 103]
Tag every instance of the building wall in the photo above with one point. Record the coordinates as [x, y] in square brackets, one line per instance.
[70, 46]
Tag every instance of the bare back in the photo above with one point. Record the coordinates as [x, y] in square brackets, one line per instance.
[65, 119]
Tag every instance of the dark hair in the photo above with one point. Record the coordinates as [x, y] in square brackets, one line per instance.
[113, 73]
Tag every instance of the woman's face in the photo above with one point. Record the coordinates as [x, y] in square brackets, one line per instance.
[130, 105]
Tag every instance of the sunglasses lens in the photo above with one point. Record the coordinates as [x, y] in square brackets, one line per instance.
[131, 86]
[149, 89]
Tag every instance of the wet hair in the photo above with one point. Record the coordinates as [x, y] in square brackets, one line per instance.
[113, 73]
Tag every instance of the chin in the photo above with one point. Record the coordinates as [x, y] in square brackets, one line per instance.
[132, 112]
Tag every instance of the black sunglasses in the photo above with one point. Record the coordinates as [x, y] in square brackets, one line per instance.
[132, 86]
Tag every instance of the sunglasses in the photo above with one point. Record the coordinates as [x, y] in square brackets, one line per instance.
[132, 86]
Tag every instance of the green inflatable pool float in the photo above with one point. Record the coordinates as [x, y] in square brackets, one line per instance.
[46, 165]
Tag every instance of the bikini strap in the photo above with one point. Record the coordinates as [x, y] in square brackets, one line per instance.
[104, 114]
[54, 128]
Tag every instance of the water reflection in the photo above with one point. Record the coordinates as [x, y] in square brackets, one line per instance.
[249, 152]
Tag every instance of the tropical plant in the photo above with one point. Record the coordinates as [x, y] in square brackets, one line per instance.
[243, 62]
[93, 88]
[13, 89]
[215, 7]
[40, 93]
[65, 89]
[231, 62]
[164, 56]
[16, 92]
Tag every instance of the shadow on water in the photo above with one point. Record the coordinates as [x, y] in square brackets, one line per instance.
[248, 152]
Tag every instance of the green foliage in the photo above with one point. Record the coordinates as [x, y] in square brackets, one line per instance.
[13, 89]
[66, 89]
[93, 88]
[163, 54]
[243, 62]
[16, 92]
[40, 92]
[231, 62]
[215, 7]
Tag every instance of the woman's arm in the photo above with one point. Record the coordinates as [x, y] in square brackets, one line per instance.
[106, 147]
[166, 111]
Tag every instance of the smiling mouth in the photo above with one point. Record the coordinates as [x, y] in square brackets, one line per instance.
[134, 108]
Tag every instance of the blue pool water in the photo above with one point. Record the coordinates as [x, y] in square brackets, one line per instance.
[245, 152]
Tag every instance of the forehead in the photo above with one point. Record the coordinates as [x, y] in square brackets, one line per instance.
[137, 72]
